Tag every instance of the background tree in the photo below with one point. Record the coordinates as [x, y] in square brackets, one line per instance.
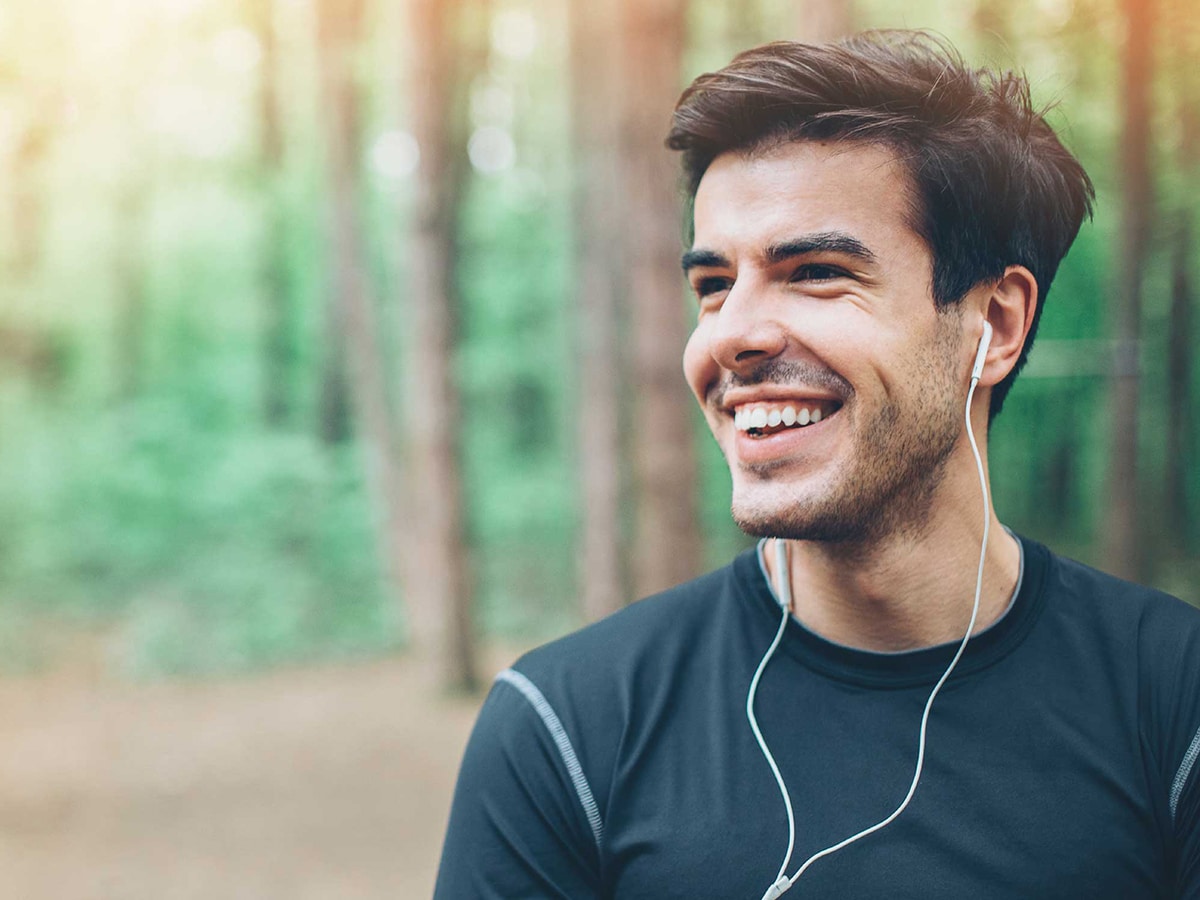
[277, 316]
[1183, 33]
[339, 27]
[666, 547]
[354, 331]
[598, 228]
[439, 571]
[1124, 553]
[132, 309]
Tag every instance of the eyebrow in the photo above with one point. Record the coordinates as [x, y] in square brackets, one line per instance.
[705, 259]
[822, 242]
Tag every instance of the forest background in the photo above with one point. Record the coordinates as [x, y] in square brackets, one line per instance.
[344, 328]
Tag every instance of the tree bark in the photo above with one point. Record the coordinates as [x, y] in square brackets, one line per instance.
[339, 26]
[1180, 422]
[1123, 553]
[277, 313]
[439, 579]
[667, 539]
[598, 232]
[1184, 41]
[355, 335]
[821, 21]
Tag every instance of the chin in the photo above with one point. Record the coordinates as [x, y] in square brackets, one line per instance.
[786, 512]
[773, 510]
[794, 526]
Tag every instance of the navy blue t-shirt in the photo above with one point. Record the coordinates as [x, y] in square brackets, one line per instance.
[1061, 759]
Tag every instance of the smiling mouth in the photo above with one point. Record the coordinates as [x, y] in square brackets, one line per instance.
[760, 420]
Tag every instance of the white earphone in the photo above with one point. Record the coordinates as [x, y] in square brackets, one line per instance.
[985, 341]
[782, 882]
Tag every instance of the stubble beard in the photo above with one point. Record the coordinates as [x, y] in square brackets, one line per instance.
[889, 484]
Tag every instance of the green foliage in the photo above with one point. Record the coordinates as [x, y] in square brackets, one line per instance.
[144, 497]
[218, 551]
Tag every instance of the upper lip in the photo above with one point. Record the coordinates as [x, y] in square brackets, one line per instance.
[736, 397]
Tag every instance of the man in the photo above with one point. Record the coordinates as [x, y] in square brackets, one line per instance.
[860, 212]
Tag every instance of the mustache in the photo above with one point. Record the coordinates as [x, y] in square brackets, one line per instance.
[784, 373]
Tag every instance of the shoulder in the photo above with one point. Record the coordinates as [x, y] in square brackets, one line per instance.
[631, 671]
[654, 630]
[1128, 622]
[1155, 638]
[1138, 612]
[537, 774]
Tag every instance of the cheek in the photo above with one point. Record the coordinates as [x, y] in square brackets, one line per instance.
[699, 367]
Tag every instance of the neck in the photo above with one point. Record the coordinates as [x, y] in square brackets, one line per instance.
[909, 589]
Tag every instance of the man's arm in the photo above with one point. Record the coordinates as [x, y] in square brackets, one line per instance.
[1170, 659]
[1185, 809]
[523, 823]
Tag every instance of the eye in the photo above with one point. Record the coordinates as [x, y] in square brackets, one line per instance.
[818, 272]
[714, 285]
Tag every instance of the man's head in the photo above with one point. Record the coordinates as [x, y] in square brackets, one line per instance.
[991, 184]
[859, 209]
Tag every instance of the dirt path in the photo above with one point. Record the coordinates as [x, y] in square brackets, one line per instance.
[321, 783]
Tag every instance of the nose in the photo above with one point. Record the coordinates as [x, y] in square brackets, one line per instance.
[745, 332]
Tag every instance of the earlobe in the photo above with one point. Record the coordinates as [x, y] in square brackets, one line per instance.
[1009, 308]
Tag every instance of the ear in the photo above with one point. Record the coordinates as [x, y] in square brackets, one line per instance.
[1009, 307]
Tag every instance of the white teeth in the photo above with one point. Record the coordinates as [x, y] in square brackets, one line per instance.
[747, 419]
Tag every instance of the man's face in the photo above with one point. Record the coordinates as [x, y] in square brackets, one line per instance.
[831, 382]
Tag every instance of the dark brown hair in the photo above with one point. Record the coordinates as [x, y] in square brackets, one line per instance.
[993, 185]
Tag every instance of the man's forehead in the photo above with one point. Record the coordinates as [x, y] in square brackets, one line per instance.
[803, 187]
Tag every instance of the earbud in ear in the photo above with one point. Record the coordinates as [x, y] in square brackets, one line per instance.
[981, 353]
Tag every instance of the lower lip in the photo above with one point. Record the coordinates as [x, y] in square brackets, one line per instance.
[789, 442]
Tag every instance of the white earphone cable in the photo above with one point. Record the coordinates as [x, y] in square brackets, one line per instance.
[782, 882]
[785, 600]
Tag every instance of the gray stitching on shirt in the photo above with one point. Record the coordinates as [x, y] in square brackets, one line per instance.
[1185, 769]
[550, 719]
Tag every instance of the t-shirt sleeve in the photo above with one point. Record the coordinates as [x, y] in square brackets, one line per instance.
[1171, 669]
[1185, 801]
[522, 823]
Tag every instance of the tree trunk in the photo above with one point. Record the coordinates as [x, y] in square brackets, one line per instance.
[350, 303]
[339, 25]
[1123, 553]
[598, 232]
[1184, 41]
[440, 576]
[333, 399]
[1180, 424]
[131, 312]
[821, 21]
[277, 314]
[28, 186]
[667, 540]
